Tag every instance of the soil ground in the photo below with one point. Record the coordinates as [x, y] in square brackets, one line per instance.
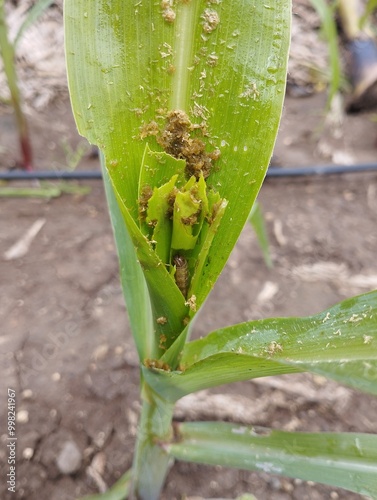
[65, 343]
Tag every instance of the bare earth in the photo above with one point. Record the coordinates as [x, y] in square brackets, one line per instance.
[65, 345]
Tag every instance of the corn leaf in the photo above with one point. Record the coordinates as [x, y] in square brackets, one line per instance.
[220, 64]
[132, 279]
[340, 343]
[345, 460]
[168, 304]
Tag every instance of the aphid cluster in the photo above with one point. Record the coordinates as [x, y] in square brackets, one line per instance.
[171, 201]
[145, 195]
[157, 364]
[176, 140]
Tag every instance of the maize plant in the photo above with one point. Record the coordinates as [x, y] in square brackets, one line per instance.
[183, 98]
[7, 53]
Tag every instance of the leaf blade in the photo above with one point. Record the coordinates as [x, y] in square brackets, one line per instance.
[132, 279]
[168, 305]
[339, 343]
[346, 460]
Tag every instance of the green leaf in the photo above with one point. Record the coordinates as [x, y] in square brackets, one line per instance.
[158, 205]
[223, 368]
[256, 219]
[340, 343]
[345, 460]
[154, 332]
[201, 252]
[132, 279]
[157, 170]
[221, 64]
[36, 10]
[119, 491]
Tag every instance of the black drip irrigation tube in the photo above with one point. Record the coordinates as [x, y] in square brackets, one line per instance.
[22, 175]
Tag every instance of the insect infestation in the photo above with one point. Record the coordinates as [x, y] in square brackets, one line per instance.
[181, 273]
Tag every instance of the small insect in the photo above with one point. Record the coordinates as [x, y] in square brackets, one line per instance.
[181, 273]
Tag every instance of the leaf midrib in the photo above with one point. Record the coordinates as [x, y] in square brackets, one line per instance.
[185, 37]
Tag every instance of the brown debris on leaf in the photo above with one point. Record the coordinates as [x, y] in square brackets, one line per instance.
[168, 12]
[145, 195]
[156, 364]
[149, 129]
[177, 141]
[171, 200]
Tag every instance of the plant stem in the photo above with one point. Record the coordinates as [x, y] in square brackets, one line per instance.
[151, 462]
[7, 54]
